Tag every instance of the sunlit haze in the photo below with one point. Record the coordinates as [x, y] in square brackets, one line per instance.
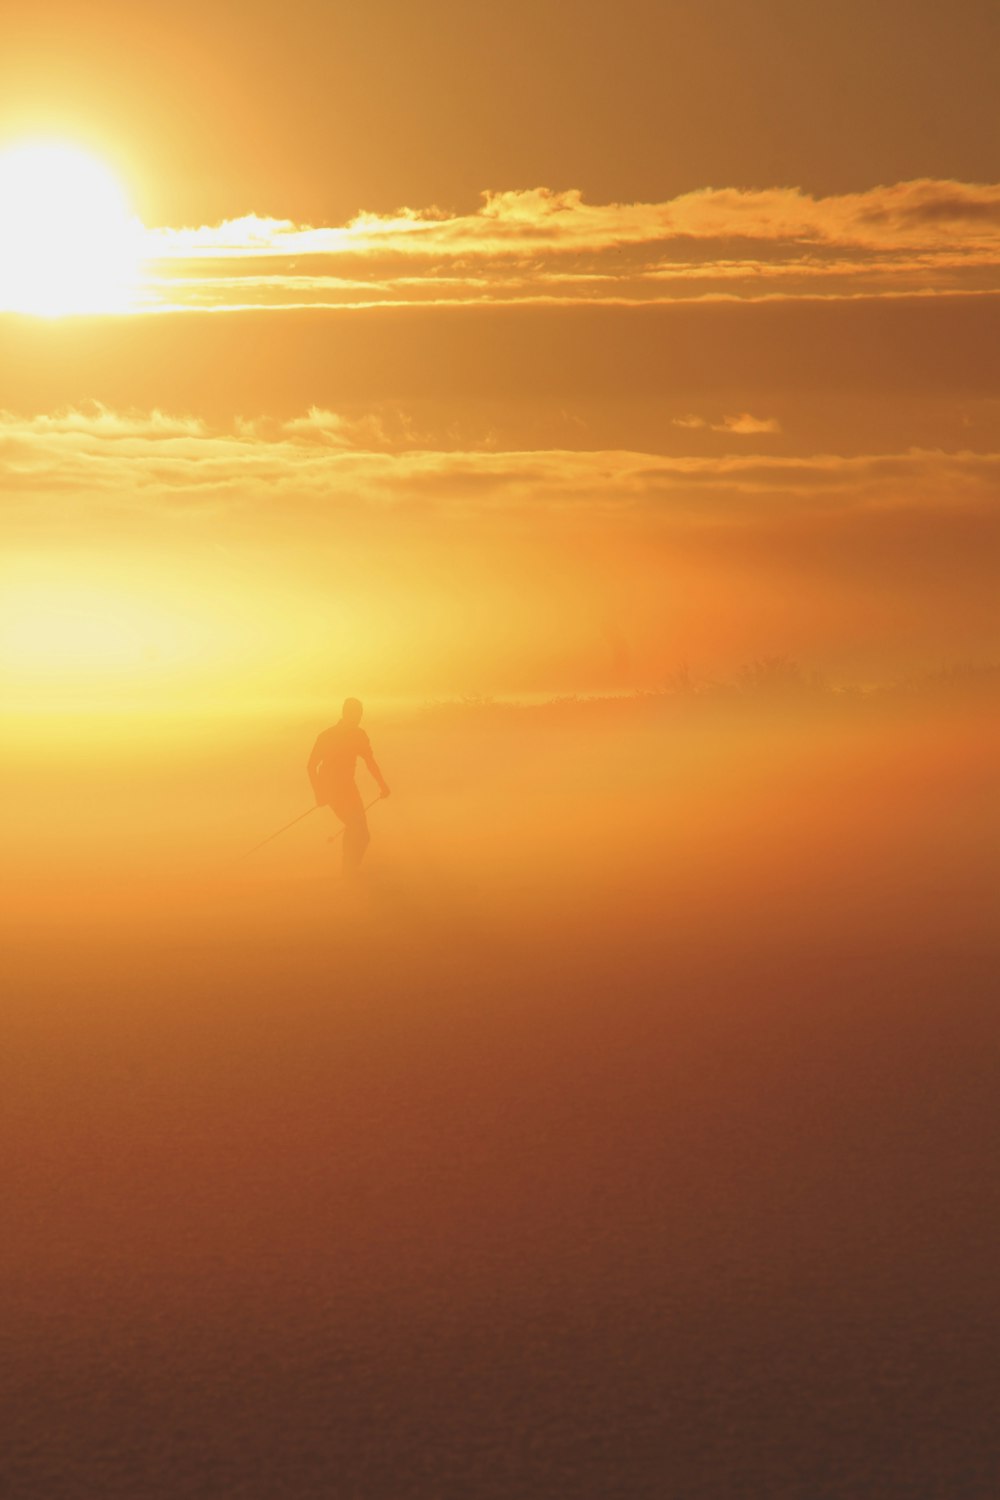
[499, 810]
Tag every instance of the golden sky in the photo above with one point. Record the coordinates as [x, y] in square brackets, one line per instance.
[456, 349]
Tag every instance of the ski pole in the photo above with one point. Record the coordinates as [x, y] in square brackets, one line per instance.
[285, 829]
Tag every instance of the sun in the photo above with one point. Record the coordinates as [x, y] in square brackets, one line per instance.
[69, 242]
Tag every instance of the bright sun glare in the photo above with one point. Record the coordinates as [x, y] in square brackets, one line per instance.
[69, 242]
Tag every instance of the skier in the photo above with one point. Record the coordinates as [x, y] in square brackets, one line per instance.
[331, 772]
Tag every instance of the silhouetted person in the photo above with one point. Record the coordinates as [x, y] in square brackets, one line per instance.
[331, 771]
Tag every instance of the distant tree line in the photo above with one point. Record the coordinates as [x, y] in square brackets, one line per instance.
[767, 682]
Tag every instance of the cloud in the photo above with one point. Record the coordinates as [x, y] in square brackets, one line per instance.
[331, 461]
[97, 421]
[341, 431]
[910, 215]
[744, 425]
[747, 426]
[926, 236]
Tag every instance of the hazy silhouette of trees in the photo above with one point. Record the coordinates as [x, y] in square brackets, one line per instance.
[766, 684]
[959, 681]
[779, 677]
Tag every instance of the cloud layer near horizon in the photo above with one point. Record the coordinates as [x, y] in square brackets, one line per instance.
[333, 458]
[923, 237]
[328, 537]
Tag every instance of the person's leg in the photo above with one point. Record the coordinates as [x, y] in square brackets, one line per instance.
[356, 840]
[348, 807]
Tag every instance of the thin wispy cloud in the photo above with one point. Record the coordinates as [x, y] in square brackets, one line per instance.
[539, 245]
[744, 425]
[323, 457]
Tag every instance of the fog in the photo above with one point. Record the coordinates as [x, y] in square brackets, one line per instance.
[625, 1129]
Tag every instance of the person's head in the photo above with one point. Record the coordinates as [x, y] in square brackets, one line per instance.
[352, 712]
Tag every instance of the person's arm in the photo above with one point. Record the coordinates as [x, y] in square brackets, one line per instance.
[313, 766]
[369, 760]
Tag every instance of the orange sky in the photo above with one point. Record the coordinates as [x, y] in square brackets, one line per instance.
[316, 110]
[514, 350]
